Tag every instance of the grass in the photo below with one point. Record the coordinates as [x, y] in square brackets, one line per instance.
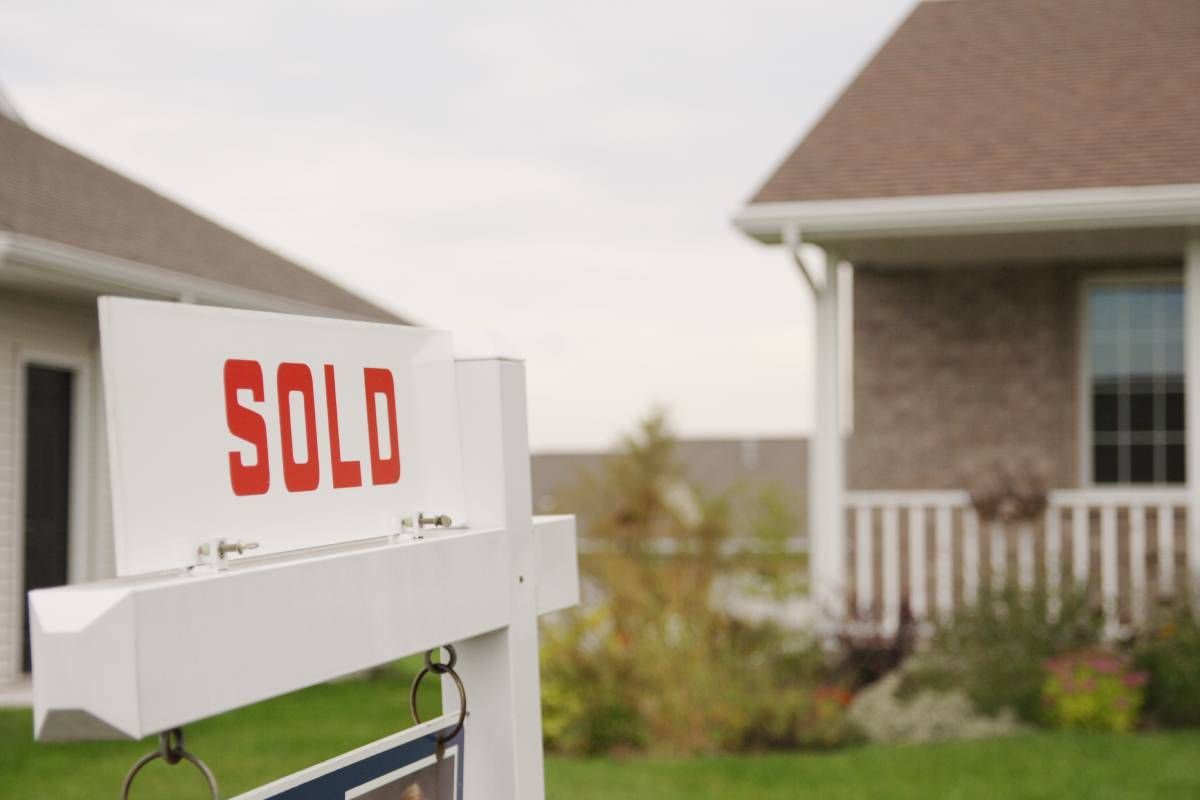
[1044, 765]
[249, 747]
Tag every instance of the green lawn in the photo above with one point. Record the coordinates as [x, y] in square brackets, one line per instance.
[249, 747]
[1034, 766]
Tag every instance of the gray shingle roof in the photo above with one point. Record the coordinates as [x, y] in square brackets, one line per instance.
[50, 192]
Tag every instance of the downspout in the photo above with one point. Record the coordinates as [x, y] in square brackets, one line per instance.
[793, 241]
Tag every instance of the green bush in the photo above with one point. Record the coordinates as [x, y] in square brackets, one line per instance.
[1092, 691]
[1170, 655]
[655, 660]
[996, 650]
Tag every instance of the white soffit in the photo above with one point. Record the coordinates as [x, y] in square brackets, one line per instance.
[1000, 212]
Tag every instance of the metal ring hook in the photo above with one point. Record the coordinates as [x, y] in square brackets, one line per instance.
[172, 753]
[440, 668]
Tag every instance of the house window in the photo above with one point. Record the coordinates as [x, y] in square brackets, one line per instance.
[1136, 393]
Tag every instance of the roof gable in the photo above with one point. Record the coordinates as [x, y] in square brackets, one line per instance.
[53, 193]
[972, 96]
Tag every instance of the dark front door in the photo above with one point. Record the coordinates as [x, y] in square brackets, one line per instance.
[47, 480]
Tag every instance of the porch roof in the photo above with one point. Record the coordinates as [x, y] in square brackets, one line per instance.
[996, 116]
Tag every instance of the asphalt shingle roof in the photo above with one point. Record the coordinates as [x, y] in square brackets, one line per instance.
[1012, 95]
[53, 193]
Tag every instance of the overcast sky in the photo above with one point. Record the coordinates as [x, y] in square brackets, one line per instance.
[563, 173]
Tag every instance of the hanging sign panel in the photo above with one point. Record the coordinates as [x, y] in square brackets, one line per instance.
[410, 765]
[283, 431]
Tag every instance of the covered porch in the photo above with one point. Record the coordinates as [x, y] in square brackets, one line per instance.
[902, 531]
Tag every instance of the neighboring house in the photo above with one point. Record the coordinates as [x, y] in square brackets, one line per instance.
[1012, 190]
[71, 230]
[745, 470]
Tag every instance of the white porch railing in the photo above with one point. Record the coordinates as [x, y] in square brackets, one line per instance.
[930, 548]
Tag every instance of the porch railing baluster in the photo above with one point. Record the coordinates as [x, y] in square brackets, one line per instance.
[891, 569]
[917, 601]
[997, 556]
[944, 574]
[1025, 557]
[864, 562]
[1137, 564]
[970, 556]
[1108, 566]
[1053, 559]
[1166, 550]
[1124, 573]
[1079, 546]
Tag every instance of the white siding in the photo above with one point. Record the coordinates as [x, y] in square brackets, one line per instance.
[33, 327]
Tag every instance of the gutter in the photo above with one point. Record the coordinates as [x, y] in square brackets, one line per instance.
[28, 260]
[991, 212]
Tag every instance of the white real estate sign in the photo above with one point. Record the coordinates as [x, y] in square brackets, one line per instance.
[312, 438]
[285, 431]
[410, 764]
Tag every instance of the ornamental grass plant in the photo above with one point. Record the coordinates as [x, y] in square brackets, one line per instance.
[655, 660]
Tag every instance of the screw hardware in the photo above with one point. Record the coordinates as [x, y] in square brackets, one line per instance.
[236, 547]
[225, 548]
[440, 521]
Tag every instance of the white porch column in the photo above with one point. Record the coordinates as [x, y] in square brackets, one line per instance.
[826, 470]
[1191, 283]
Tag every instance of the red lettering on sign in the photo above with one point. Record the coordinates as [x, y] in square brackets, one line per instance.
[345, 473]
[298, 476]
[305, 476]
[248, 426]
[376, 382]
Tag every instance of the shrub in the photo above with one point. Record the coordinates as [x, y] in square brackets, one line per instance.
[996, 651]
[927, 715]
[655, 659]
[1093, 691]
[1170, 655]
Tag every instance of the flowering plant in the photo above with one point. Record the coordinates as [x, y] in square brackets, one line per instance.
[1093, 690]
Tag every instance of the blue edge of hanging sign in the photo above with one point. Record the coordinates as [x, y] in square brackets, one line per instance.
[352, 776]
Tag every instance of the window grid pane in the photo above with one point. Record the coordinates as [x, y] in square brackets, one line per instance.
[1135, 334]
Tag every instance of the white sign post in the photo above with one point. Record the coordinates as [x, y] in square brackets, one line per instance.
[329, 448]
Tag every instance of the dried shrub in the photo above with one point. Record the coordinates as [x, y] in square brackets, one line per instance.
[1008, 495]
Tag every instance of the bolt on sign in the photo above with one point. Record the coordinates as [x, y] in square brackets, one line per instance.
[308, 498]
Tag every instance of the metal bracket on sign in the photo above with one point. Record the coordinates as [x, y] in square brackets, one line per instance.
[213, 553]
[415, 525]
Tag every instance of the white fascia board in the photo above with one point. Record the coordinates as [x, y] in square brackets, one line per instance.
[993, 212]
[64, 265]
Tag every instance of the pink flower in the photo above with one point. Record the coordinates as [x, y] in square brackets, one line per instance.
[1135, 679]
[1105, 665]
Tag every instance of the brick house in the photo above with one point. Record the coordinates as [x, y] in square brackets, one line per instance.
[71, 230]
[1009, 192]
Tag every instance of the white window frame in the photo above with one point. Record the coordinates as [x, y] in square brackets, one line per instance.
[1155, 276]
